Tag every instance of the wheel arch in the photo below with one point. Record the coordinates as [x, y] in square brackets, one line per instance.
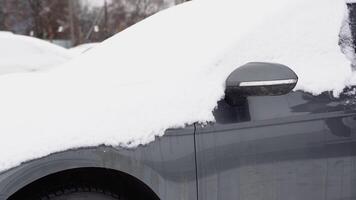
[101, 158]
[90, 179]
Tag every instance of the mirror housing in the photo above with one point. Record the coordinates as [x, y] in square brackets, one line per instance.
[260, 79]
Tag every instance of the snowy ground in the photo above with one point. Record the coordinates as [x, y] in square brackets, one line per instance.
[167, 71]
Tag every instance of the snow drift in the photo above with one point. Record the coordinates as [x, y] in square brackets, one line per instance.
[167, 71]
[22, 54]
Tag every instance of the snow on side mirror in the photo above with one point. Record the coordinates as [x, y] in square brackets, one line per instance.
[259, 79]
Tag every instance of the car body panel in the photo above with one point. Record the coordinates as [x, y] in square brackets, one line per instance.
[296, 146]
[166, 165]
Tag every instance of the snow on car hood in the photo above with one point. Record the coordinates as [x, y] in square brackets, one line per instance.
[22, 54]
[167, 71]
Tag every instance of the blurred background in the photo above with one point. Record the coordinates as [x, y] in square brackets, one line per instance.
[70, 23]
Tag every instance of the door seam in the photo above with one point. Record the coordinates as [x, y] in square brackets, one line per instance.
[196, 162]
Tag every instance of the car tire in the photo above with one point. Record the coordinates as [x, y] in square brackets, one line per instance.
[81, 193]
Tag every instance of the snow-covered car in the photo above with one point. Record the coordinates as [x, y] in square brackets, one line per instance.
[20, 53]
[191, 110]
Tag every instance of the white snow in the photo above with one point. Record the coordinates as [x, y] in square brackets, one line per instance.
[167, 71]
[23, 54]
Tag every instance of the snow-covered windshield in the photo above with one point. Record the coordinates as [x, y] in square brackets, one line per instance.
[167, 71]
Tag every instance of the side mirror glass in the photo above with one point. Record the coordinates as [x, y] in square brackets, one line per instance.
[260, 79]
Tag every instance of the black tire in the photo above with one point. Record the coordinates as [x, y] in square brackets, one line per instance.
[81, 193]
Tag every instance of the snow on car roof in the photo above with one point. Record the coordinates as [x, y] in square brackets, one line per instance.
[22, 53]
[167, 71]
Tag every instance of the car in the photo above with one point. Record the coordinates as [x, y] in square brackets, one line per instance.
[19, 53]
[268, 142]
[235, 124]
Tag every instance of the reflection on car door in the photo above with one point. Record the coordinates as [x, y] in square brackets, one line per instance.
[295, 146]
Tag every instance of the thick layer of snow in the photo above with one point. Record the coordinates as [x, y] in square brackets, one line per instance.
[167, 71]
[22, 54]
[80, 49]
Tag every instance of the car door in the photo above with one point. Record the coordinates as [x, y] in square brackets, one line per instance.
[290, 147]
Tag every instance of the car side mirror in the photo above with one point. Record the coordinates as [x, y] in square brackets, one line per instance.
[259, 79]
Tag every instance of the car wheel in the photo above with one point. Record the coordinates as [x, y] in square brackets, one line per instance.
[81, 193]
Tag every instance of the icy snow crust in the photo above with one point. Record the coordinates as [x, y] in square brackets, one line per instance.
[23, 54]
[167, 71]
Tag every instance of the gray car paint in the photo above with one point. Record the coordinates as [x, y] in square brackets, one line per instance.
[295, 146]
[166, 165]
